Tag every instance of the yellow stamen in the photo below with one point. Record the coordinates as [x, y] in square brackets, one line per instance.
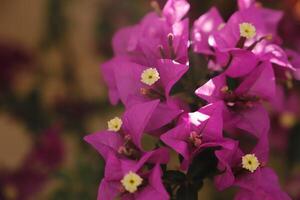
[225, 89]
[131, 182]
[114, 124]
[247, 30]
[269, 37]
[221, 26]
[250, 162]
[150, 76]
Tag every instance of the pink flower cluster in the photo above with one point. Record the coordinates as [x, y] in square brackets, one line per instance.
[246, 64]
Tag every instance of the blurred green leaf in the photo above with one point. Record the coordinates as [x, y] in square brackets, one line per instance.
[204, 165]
[187, 192]
[294, 147]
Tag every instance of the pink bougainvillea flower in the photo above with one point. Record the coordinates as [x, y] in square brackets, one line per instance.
[252, 23]
[252, 28]
[259, 181]
[242, 104]
[249, 173]
[129, 180]
[234, 63]
[278, 57]
[245, 55]
[262, 184]
[162, 35]
[204, 26]
[175, 10]
[232, 166]
[123, 137]
[197, 131]
[107, 70]
[134, 83]
[270, 17]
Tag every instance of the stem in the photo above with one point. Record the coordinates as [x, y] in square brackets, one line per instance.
[240, 44]
[161, 51]
[171, 46]
[252, 46]
[229, 62]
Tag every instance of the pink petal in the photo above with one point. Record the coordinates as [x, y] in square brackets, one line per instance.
[105, 142]
[136, 119]
[175, 10]
[155, 187]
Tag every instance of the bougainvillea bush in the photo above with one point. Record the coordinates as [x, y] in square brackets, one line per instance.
[214, 117]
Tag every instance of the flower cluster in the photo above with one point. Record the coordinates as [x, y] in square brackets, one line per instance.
[223, 133]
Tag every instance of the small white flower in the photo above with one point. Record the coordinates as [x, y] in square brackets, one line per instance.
[250, 162]
[150, 76]
[247, 30]
[131, 182]
[114, 124]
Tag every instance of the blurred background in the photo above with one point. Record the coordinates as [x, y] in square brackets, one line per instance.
[52, 94]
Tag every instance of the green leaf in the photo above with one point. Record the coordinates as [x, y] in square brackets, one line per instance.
[187, 192]
[232, 83]
[175, 177]
[294, 147]
[203, 165]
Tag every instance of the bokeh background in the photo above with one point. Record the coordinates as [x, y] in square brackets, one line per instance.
[52, 94]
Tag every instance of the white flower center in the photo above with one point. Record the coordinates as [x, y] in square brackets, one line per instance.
[247, 30]
[114, 124]
[150, 76]
[250, 162]
[131, 182]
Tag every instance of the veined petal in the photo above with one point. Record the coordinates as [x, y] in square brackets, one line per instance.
[255, 121]
[108, 190]
[175, 10]
[128, 80]
[203, 27]
[136, 119]
[261, 82]
[155, 187]
[211, 90]
[176, 138]
[162, 115]
[105, 142]
[170, 72]
[243, 63]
